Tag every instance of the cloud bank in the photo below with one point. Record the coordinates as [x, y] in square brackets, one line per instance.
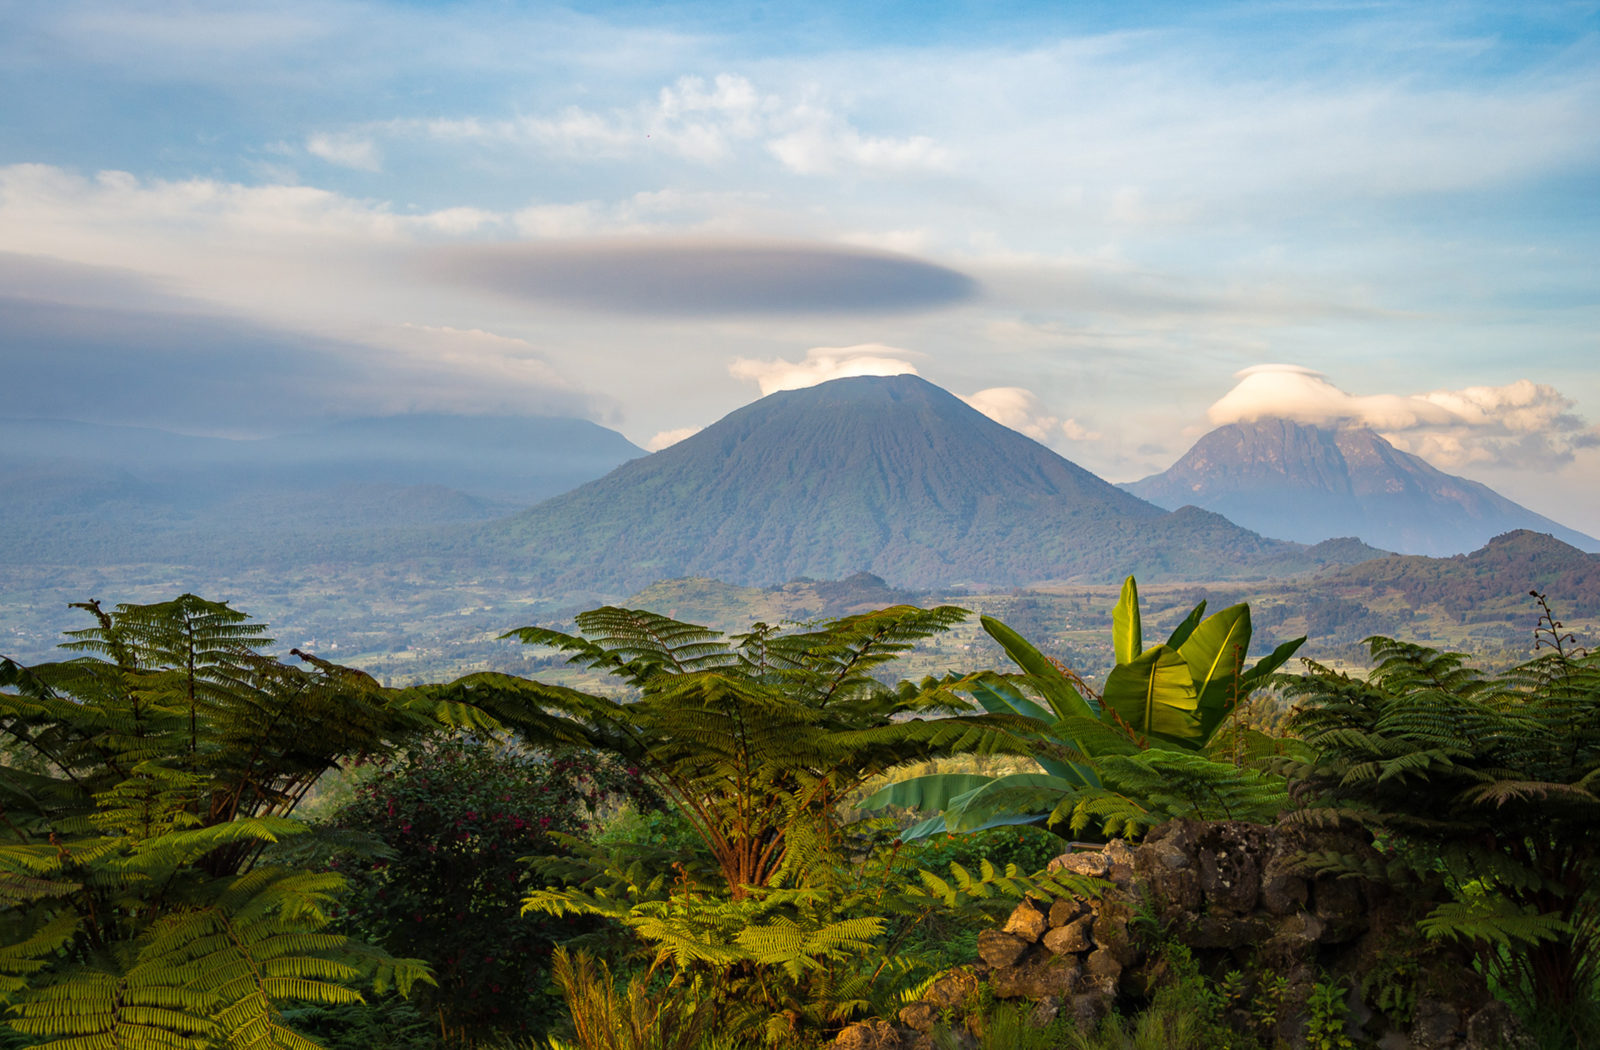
[1522, 424]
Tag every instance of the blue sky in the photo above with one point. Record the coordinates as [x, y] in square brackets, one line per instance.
[1088, 218]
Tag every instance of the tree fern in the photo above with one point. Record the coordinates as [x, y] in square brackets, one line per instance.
[756, 738]
[1481, 787]
[139, 902]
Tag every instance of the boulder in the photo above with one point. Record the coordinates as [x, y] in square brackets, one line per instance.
[1029, 920]
[874, 1034]
[1230, 866]
[1436, 1025]
[1067, 909]
[1103, 969]
[1110, 931]
[1120, 861]
[1000, 949]
[952, 989]
[1092, 863]
[1039, 976]
[919, 1016]
[1071, 938]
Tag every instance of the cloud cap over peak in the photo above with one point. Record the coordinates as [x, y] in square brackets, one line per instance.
[705, 278]
[822, 364]
[1523, 423]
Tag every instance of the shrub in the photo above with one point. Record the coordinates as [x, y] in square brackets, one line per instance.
[456, 820]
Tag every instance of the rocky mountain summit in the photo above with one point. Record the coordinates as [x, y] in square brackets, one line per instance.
[1310, 483]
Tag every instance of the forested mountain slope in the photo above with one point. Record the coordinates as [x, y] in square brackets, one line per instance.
[889, 475]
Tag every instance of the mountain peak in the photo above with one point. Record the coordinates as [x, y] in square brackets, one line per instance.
[885, 474]
[1310, 483]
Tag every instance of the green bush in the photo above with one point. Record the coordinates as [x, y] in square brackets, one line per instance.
[455, 821]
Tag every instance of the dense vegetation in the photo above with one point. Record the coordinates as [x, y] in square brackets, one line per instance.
[674, 857]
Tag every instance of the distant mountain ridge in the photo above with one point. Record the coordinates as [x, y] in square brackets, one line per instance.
[94, 493]
[888, 475]
[1504, 569]
[1308, 483]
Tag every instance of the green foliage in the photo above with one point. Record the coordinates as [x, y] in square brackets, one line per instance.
[146, 898]
[635, 1019]
[1124, 760]
[456, 821]
[1185, 1012]
[755, 738]
[1481, 790]
[1326, 1014]
[787, 962]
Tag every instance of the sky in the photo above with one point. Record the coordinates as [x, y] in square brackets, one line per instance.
[1110, 226]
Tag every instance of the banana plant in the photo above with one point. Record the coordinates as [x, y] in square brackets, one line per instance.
[1173, 696]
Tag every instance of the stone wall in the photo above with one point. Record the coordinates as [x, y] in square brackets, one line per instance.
[1233, 894]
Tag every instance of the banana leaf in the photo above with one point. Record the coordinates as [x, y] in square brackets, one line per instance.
[1127, 639]
[1011, 799]
[1215, 652]
[925, 793]
[1181, 633]
[1055, 687]
[1156, 696]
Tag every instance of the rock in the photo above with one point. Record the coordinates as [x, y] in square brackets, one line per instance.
[1230, 877]
[1110, 931]
[1040, 976]
[1000, 949]
[1083, 862]
[953, 989]
[1282, 891]
[1028, 920]
[1088, 1009]
[1495, 1027]
[1120, 859]
[1067, 909]
[1102, 962]
[1224, 931]
[919, 1016]
[1293, 939]
[876, 1034]
[1167, 868]
[1435, 1025]
[1337, 902]
[1071, 938]
[1045, 1011]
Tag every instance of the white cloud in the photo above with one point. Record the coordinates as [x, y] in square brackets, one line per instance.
[347, 151]
[1522, 423]
[823, 363]
[1076, 431]
[1306, 396]
[822, 142]
[668, 438]
[1019, 409]
[706, 123]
